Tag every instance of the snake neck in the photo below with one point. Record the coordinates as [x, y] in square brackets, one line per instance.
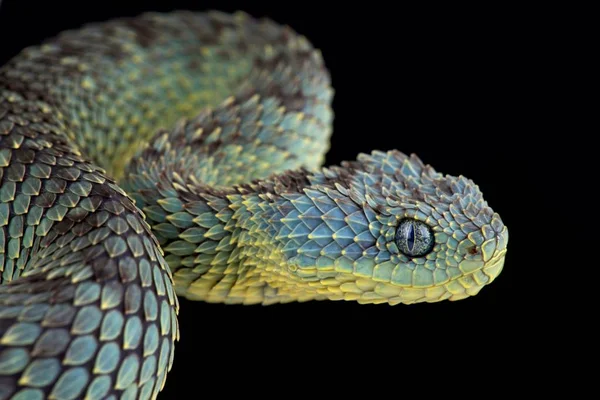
[277, 119]
[221, 243]
[188, 183]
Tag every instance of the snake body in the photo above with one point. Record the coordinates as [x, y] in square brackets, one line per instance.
[181, 154]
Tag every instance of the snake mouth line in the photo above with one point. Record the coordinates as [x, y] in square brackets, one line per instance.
[490, 269]
[366, 290]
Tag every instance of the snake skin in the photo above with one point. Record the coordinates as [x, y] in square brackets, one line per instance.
[181, 154]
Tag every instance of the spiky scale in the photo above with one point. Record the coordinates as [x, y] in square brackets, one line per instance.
[118, 225]
[150, 306]
[128, 268]
[156, 213]
[112, 325]
[87, 293]
[344, 236]
[98, 388]
[132, 299]
[20, 334]
[148, 369]
[193, 235]
[107, 358]
[113, 207]
[33, 312]
[165, 349]
[4, 213]
[55, 185]
[148, 389]
[181, 248]
[133, 333]
[81, 188]
[87, 319]
[51, 343]
[7, 192]
[21, 204]
[208, 247]
[81, 350]
[182, 220]
[57, 213]
[215, 233]
[130, 393]
[166, 230]
[70, 384]
[165, 315]
[159, 281]
[112, 295]
[5, 157]
[40, 373]
[14, 248]
[149, 246]
[171, 205]
[127, 372]
[311, 217]
[13, 360]
[29, 394]
[310, 248]
[151, 340]
[115, 246]
[145, 271]
[90, 204]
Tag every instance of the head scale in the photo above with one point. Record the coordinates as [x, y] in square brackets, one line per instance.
[390, 229]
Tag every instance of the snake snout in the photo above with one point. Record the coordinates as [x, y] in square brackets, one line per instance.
[494, 253]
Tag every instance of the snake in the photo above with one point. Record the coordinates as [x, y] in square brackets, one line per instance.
[182, 155]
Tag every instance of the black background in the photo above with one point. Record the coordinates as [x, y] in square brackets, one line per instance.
[445, 84]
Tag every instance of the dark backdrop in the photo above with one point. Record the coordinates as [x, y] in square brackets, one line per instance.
[444, 84]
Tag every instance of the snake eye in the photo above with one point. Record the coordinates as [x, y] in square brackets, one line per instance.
[414, 238]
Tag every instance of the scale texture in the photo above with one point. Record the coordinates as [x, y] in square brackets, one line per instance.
[181, 154]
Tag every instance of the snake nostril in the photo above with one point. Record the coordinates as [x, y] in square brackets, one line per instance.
[473, 250]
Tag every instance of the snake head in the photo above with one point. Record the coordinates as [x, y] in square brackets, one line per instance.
[437, 237]
[391, 229]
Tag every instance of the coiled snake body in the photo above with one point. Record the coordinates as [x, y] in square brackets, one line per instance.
[111, 205]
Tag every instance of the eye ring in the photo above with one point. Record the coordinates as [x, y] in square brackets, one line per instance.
[414, 238]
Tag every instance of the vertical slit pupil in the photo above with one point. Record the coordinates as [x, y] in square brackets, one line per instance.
[414, 238]
[411, 237]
